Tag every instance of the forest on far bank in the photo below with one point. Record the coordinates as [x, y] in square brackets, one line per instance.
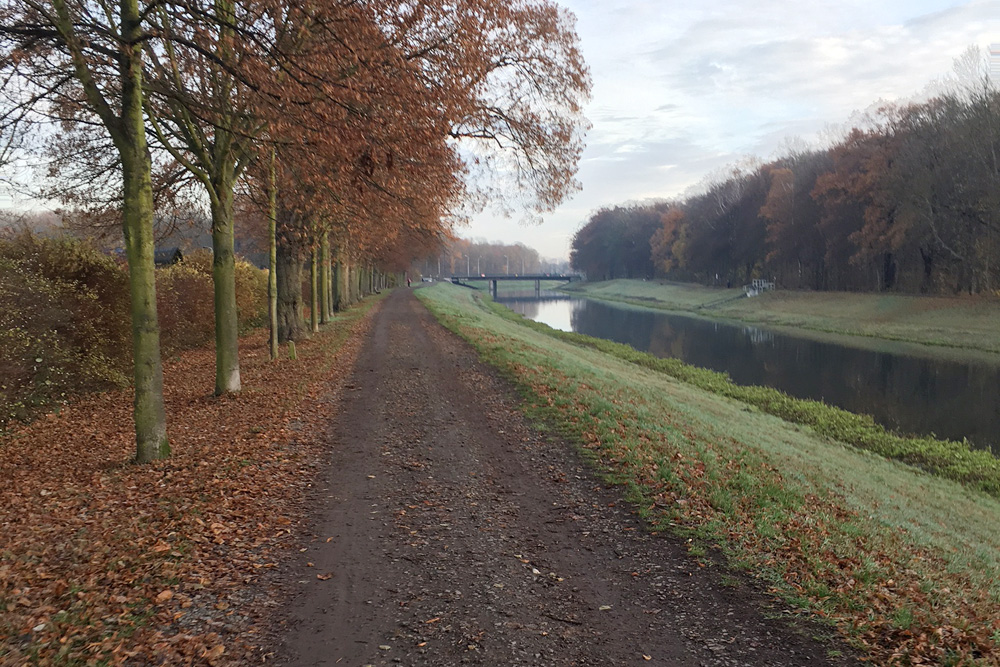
[908, 200]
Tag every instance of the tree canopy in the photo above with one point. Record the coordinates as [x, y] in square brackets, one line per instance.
[365, 131]
[907, 201]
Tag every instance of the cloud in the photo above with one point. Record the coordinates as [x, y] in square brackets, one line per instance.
[682, 89]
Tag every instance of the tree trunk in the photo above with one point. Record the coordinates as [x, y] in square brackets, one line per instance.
[888, 270]
[227, 356]
[223, 180]
[314, 289]
[926, 281]
[291, 326]
[137, 226]
[324, 312]
[272, 274]
[338, 285]
[352, 284]
[331, 280]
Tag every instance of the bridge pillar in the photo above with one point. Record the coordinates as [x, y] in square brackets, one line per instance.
[538, 286]
[493, 288]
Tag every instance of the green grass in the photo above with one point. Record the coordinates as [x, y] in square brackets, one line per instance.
[962, 322]
[953, 460]
[849, 534]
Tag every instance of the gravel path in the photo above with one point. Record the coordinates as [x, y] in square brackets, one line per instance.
[447, 532]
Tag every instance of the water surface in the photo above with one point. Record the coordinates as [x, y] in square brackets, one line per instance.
[909, 394]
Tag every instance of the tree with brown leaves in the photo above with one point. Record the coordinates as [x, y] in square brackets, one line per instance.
[89, 54]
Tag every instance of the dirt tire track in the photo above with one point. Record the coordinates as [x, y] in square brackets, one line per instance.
[456, 535]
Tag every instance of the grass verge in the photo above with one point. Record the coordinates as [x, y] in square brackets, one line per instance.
[946, 458]
[903, 562]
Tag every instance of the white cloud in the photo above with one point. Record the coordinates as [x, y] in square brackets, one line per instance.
[683, 88]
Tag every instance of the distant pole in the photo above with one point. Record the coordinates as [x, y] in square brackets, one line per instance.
[478, 273]
[506, 265]
[468, 270]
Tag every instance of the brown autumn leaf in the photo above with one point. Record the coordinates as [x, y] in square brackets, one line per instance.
[214, 653]
[114, 555]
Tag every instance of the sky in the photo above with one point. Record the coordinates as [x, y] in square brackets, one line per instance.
[684, 88]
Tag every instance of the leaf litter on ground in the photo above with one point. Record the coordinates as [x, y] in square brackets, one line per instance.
[103, 561]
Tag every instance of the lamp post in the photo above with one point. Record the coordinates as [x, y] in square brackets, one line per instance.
[506, 265]
[468, 272]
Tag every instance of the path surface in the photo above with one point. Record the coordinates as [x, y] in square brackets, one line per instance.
[455, 535]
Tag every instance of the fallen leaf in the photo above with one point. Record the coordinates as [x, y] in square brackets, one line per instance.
[214, 653]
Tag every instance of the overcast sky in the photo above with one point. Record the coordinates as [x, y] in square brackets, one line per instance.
[683, 88]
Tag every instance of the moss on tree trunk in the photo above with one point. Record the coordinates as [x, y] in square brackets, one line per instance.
[227, 358]
[137, 225]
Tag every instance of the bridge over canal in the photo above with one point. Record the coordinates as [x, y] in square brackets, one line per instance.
[494, 279]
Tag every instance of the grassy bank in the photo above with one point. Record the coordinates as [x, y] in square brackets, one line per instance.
[956, 322]
[903, 562]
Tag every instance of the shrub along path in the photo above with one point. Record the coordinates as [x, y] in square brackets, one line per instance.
[445, 531]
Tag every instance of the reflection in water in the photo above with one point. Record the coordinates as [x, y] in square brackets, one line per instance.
[909, 394]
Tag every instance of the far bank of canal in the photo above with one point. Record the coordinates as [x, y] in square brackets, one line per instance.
[906, 393]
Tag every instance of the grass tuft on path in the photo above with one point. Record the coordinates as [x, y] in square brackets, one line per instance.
[906, 564]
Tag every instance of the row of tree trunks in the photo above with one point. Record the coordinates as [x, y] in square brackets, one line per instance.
[335, 284]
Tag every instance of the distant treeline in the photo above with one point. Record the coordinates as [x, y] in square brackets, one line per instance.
[909, 202]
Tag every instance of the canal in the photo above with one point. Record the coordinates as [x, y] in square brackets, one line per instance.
[908, 394]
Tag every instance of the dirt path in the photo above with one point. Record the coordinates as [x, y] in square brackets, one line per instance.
[456, 535]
